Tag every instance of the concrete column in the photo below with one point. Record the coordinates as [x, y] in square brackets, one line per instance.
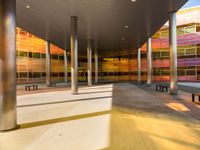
[7, 65]
[173, 53]
[96, 65]
[66, 65]
[48, 64]
[149, 62]
[139, 65]
[74, 55]
[89, 58]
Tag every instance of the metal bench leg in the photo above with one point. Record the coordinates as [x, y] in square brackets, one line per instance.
[193, 96]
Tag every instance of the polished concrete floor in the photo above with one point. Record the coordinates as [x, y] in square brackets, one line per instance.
[118, 116]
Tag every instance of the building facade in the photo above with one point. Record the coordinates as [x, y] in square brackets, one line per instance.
[117, 66]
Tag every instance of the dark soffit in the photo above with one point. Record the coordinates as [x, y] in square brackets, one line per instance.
[103, 21]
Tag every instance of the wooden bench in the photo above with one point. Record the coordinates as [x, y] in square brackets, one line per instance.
[161, 88]
[193, 96]
[28, 87]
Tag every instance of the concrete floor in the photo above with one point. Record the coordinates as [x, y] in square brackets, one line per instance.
[117, 116]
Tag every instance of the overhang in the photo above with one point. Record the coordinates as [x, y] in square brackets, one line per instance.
[113, 24]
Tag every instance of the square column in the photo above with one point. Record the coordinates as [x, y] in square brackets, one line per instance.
[48, 64]
[74, 55]
[139, 65]
[149, 62]
[66, 66]
[173, 53]
[89, 58]
[8, 116]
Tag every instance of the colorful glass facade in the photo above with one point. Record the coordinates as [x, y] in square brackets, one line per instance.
[31, 59]
[188, 31]
[119, 65]
[188, 40]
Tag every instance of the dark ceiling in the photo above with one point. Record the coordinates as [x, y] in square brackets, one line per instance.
[103, 21]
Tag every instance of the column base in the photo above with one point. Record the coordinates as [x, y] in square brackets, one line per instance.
[48, 84]
[10, 129]
[74, 93]
[173, 92]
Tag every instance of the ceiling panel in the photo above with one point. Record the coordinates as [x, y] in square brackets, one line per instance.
[103, 21]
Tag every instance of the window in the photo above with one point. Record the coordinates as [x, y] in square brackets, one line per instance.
[62, 74]
[36, 55]
[23, 54]
[180, 31]
[164, 54]
[181, 52]
[181, 72]
[36, 75]
[156, 55]
[61, 57]
[190, 29]
[156, 72]
[54, 57]
[164, 33]
[190, 72]
[190, 51]
[165, 72]
[43, 56]
[43, 74]
[23, 75]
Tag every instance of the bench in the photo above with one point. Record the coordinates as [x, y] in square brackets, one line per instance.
[28, 87]
[193, 96]
[161, 88]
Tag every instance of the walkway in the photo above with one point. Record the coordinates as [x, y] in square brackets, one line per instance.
[117, 116]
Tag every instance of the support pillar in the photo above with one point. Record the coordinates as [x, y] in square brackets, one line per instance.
[139, 66]
[96, 65]
[74, 55]
[8, 115]
[129, 67]
[66, 66]
[149, 62]
[89, 57]
[48, 64]
[173, 53]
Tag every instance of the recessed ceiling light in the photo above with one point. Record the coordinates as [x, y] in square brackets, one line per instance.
[123, 39]
[126, 26]
[28, 6]
[133, 0]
